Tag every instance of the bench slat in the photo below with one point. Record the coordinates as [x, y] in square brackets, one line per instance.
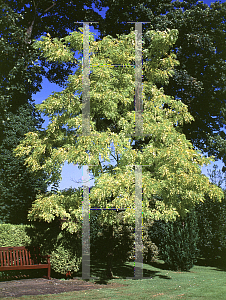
[1, 258]
[17, 257]
[10, 258]
[29, 257]
[7, 258]
[14, 258]
[22, 262]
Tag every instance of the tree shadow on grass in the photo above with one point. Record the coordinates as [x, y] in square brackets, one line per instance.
[160, 264]
[218, 263]
[120, 271]
[22, 274]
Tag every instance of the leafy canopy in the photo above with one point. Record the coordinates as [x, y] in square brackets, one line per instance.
[199, 80]
[173, 170]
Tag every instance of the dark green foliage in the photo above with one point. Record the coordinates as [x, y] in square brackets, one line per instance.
[116, 244]
[150, 250]
[103, 241]
[210, 225]
[19, 79]
[177, 241]
[19, 74]
[211, 217]
[65, 248]
[212, 228]
[55, 18]
[18, 186]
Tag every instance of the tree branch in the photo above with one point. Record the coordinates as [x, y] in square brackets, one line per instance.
[115, 157]
[30, 28]
[50, 7]
[101, 166]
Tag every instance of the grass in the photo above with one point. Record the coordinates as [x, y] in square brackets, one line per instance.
[201, 282]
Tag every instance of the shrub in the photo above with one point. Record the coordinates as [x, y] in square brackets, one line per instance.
[67, 253]
[122, 244]
[64, 260]
[177, 241]
[103, 241]
[212, 230]
[150, 250]
[64, 248]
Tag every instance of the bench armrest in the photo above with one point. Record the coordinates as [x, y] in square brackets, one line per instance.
[46, 256]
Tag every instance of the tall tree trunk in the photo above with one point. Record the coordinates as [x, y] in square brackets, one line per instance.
[109, 258]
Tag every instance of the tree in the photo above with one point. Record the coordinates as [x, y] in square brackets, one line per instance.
[211, 221]
[56, 18]
[199, 80]
[200, 48]
[19, 79]
[175, 166]
[18, 186]
[217, 177]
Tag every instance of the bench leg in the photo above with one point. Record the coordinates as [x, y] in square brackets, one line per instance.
[49, 270]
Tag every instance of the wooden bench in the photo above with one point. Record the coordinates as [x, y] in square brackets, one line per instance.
[22, 258]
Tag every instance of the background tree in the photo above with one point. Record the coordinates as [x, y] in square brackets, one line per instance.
[199, 80]
[18, 186]
[211, 222]
[19, 79]
[19, 76]
[56, 18]
[217, 177]
[176, 174]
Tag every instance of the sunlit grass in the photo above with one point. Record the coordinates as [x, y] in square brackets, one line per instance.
[201, 282]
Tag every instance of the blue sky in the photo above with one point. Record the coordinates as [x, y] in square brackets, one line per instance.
[71, 173]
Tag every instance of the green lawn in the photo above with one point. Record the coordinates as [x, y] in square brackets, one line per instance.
[201, 282]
